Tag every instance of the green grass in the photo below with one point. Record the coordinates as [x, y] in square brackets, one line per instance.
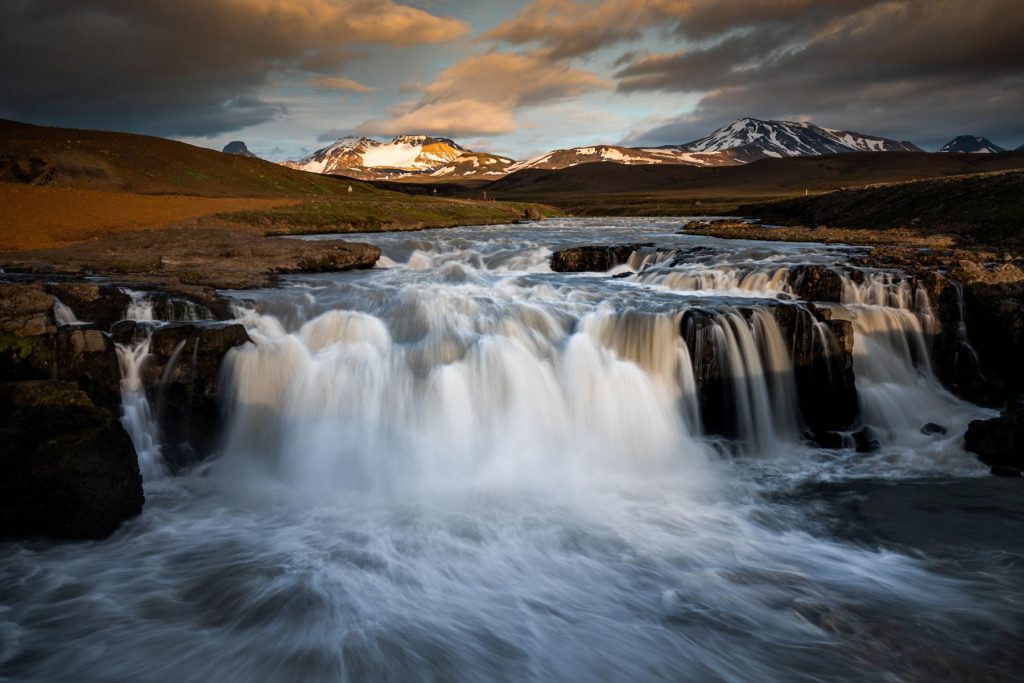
[380, 210]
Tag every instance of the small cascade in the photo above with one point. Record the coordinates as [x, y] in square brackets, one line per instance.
[140, 307]
[138, 418]
[62, 313]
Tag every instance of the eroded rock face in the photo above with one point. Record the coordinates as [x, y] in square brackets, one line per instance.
[182, 378]
[999, 442]
[592, 259]
[67, 467]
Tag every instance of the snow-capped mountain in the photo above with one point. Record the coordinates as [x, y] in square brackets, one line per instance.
[471, 165]
[563, 158]
[752, 139]
[971, 144]
[369, 158]
[238, 148]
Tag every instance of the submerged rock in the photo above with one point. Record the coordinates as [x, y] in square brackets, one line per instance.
[999, 442]
[67, 467]
[182, 378]
[593, 259]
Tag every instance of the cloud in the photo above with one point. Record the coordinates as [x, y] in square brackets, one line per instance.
[479, 95]
[188, 67]
[921, 69]
[915, 69]
[340, 83]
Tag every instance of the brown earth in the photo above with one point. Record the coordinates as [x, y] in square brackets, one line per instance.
[34, 217]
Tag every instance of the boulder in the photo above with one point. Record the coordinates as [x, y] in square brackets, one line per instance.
[182, 379]
[594, 259]
[67, 467]
[26, 310]
[999, 442]
[816, 283]
[72, 353]
[533, 214]
[101, 304]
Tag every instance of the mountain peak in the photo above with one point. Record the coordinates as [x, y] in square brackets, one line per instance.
[754, 139]
[971, 144]
[238, 148]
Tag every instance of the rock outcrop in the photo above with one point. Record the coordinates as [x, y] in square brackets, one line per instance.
[999, 442]
[182, 378]
[101, 304]
[816, 283]
[592, 259]
[67, 467]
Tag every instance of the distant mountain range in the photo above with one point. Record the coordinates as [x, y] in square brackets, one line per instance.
[972, 144]
[744, 141]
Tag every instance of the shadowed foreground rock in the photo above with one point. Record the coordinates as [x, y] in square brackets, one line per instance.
[67, 467]
[182, 378]
[999, 442]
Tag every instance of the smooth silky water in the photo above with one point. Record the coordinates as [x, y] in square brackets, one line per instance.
[460, 466]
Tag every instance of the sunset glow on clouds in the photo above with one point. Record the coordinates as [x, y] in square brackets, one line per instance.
[521, 77]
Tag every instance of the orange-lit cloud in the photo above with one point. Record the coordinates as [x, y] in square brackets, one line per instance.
[479, 95]
[340, 83]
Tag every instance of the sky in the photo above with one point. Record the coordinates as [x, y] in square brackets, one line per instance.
[512, 77]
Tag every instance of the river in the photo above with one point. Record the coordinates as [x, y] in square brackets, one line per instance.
[460, 466]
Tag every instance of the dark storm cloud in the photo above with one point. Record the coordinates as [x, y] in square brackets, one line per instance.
[923, 70]
[187, 67]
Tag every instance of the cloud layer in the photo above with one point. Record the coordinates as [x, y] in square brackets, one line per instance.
[187, 67]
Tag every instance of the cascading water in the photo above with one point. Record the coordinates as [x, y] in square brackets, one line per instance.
[461, 466]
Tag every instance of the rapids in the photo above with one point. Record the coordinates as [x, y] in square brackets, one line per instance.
[461, 466]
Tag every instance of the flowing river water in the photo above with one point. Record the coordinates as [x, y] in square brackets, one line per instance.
[460, 466]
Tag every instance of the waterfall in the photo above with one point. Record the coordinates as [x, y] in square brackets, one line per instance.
[137, 417]
[62, 313]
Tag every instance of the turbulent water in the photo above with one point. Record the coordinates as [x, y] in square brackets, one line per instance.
[462, 466]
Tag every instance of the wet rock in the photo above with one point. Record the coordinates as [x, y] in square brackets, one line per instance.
[714, 395]
[76, 354]
[816, 283]
[998, 442]
[864, 440]
[26, 310]
[995, 322]
[931, 428]
[594, 259]
[832, 440]
[1011, 472]
[96, 303]
[182, 379]
[67, 467]
[533, 214]
[821, 350]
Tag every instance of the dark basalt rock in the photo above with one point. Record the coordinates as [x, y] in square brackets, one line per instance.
[999, 442]
[100, 304]
[1011, 472]
[933, 429]
[592, 259]
[823, 370]
[67, 467]
[865, 441]
[816, 283]
[182, 378]
[77, 354]
[821, 350]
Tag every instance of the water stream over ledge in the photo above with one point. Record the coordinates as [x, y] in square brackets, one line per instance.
[462, 466]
